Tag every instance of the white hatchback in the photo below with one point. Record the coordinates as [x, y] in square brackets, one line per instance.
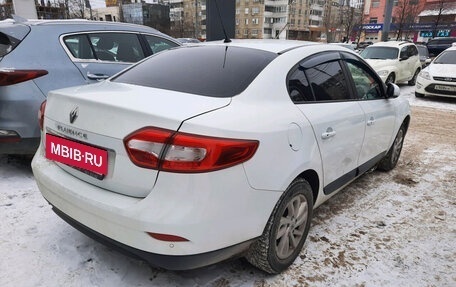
[394, 61]
[202, 153]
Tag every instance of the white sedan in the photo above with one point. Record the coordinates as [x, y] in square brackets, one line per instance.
[202, 153]
[439, 78]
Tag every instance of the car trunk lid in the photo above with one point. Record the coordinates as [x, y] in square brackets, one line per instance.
[103, 115]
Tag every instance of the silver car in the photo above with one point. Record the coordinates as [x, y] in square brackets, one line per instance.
[37, 56]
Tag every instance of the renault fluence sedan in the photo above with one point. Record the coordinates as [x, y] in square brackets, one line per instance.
[206, 152]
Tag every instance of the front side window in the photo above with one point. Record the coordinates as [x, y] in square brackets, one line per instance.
[367, 88]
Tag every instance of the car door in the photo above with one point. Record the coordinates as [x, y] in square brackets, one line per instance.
[379, 112]
[319, 88]
[101, 55]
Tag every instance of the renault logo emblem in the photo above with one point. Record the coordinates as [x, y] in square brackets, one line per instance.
[74, 114]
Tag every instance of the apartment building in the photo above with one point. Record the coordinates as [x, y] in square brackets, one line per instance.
[280, 19]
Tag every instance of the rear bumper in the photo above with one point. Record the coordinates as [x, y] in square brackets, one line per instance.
[218, 213]
[170, 262]
[23, 146]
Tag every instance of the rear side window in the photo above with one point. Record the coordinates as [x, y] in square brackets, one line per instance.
[214, 71]
[320, 78]
[11, 36]
[158, 44]
[111, 47]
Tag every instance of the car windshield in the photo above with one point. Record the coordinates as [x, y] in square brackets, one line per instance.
[382, 53]
[446, 57]
[214, 71]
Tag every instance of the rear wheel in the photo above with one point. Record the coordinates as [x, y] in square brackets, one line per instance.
[391, 78]
[392, 157]
[286, 230]
[413, 80]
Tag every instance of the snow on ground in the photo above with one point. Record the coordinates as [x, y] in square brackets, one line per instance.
[385, 229]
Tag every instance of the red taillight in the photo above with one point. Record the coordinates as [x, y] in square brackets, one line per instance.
[167, 150]
[41, 114]
[12, 76]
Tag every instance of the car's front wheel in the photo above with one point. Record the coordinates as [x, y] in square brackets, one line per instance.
[413, 80]
[392, 157]
[286, 230]
[419, 95]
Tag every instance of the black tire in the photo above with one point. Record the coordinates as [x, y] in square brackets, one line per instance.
[390, 79]
[412, 82]
[392, 157]
[274, 252]
[419, 95]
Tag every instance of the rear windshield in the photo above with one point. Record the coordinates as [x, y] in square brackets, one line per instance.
[214, 71]
[11, 36]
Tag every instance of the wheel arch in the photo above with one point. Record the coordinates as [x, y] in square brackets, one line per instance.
[311, 176]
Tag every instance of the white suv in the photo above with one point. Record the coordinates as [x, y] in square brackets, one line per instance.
[394, 61]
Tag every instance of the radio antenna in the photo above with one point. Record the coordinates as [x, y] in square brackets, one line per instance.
[227, 39]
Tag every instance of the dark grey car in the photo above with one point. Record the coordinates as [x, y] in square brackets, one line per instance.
[39, 56]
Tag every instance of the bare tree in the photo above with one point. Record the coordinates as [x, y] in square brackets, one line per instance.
[441, 6]
[405, 13]
[76, 8]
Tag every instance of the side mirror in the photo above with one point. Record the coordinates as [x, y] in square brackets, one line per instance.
[428, 61]
[392, 91]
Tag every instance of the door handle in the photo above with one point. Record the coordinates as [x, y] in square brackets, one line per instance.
[97, 77]
[371, 121]
[329, 133]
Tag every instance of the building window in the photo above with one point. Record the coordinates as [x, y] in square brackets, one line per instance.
[255, 10]
[238, 11]
[255, 32]
[246, 21]
[246, 11]
[246, 32]
[255, 21]
[375, 3]
[373, 20]
[237, 21]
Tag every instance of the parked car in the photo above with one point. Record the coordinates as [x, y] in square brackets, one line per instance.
[424, 55]
[188, 40]
[438, 45]
[364, 44]
[229, 156]
[394, 61]
[345, 45]
[43, 55]
[439, 78]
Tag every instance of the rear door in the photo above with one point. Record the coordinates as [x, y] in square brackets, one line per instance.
[102, 54]
[319, 88]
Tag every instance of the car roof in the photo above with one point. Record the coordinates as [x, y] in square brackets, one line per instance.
[82, 23]
[270, 45]
[392, 44]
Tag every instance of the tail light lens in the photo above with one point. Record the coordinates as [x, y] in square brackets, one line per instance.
[41, 114]
[12, 76]
[172, 151]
